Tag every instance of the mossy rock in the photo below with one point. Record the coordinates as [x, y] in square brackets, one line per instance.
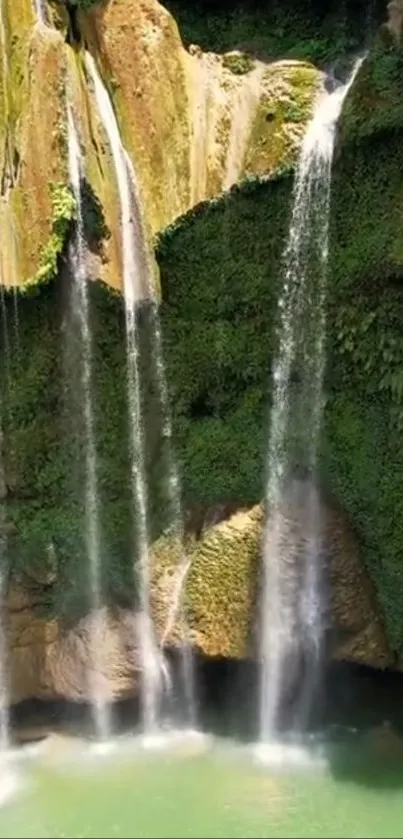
[220, 269]
[239, 63]
[219, 608]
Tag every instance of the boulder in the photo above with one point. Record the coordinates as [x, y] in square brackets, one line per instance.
[220, 596]
[50, 662]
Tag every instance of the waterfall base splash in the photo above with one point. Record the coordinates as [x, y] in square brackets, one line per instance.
[292, 608]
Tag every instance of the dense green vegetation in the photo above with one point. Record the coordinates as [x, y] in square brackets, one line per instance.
[63, 214]
[220, 269]
[44, 442]
[312, 30]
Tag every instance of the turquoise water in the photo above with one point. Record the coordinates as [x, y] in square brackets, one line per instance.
[204, 787]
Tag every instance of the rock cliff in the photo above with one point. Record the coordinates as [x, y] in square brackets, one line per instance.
[192, 123]
[195, 124]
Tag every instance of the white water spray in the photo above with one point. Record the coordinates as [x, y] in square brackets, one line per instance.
[176, 605]
[80, 305]
[40, 10]
[133, 273]
[291, 597]
[137, 281]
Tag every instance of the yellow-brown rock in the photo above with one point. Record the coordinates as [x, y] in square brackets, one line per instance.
[222, 584]
[34, 157]
[49, 662]
[191, 125]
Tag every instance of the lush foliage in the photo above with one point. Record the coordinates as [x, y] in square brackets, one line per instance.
[63, 214]
[45, 448]
[82, 4]
[307, 30]
[220, 268]
[238, 63]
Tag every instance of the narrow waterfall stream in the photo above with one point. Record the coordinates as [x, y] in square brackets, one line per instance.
[186, 692]
[80, 307]
[291, 607]
[137, 283]
[40, 10]
[133, 290]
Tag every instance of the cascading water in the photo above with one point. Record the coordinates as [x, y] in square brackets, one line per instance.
[133, 271]
[137, 284]
[291, 607]
[187, 693]
[40, 9]
[80, 307]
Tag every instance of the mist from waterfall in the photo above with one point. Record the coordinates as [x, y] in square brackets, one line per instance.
[292, 603]
[80, 312]
[138, 286]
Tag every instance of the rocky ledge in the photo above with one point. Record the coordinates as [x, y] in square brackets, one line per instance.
[48, 661]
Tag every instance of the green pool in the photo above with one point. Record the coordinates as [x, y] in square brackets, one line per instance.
[203, 787]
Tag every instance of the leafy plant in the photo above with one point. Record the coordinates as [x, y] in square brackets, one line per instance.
[238, 63]
[63, 215]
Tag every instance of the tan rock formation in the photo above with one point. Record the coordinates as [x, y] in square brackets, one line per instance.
[395, 18]
[47, 662]
[193, 127]
[221, 589]
[32, 155]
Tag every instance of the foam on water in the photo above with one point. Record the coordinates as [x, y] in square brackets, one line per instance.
[281, 755]
[172, 738]
[10, 781]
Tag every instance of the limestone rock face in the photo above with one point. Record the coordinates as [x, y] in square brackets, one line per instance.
[221, 592]
[31, 156]
[47, 662]
[219, 576]
[192, 124]
[395, 18]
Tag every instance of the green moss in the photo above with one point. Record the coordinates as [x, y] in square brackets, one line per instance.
[220, 593]
[376, 101]
[45, 450]
[220, 268]
[309, 31]
[81, 4]
[289, 98]
[222, 304]
[63, 214]
[239, 63]
[95, 227]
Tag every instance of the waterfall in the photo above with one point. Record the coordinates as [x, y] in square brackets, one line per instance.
[176, 605]
[40, 11]
[291, 605]
[137, 284]
[80, 310]
[133, 271]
